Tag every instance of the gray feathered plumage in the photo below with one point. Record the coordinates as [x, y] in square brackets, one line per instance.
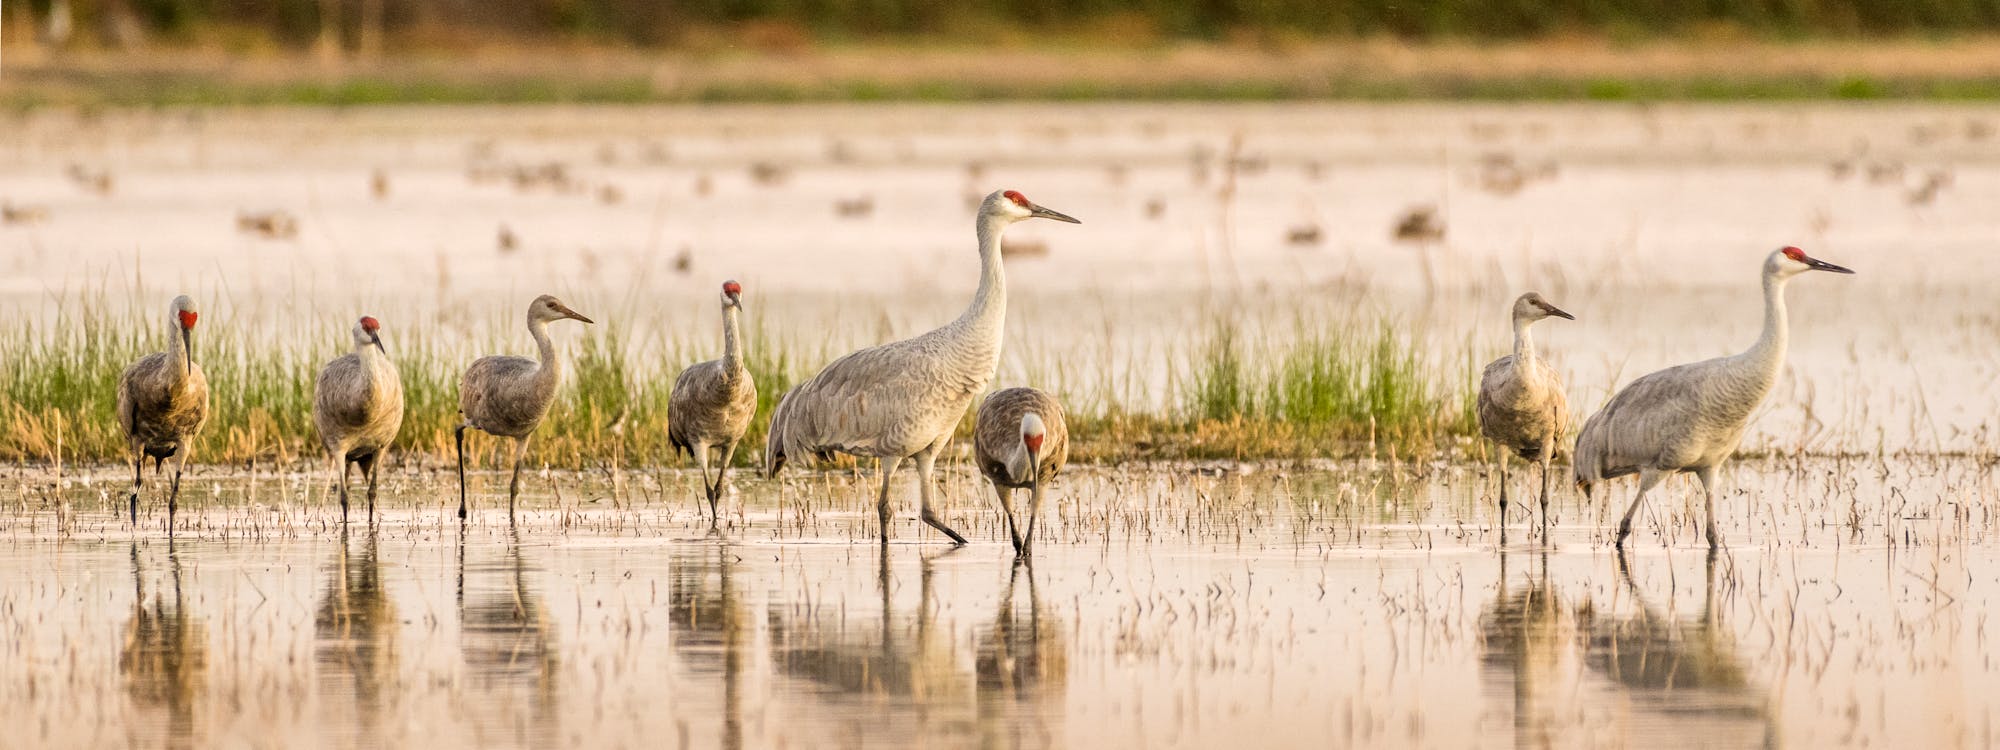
[507, 396]
[1690, 418]
[1521, 405]
[358, 408]
[163, 404]
[1008, 420]
[904, 399]
[713, 402]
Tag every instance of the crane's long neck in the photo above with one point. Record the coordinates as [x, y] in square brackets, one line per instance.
[550, 372]
[1524, 344]
[732, 342]
[988, 312]
[1768, 354]
[179, 354]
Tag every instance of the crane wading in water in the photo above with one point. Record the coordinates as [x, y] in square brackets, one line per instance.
[162, 404]
[1690, 418]
[358, 407]
[1521, 402]
[1021, 442]
[713, 402]
[508, 396]
[902, 400]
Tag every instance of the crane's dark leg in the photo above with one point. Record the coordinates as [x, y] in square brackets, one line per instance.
[722, 477]
[174, 496]
[887, 466]
[1034, 514]
[1007, 506]
[514, 485]
[138, 473]
[707, 490]
[1546, 450]
[459, 436]
[346, 467]
[925, 460]
[1707, 477]
[368, 469]
[1503, 496]
[1647, 479]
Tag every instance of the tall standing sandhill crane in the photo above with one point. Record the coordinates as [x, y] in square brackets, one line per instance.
[162, 404]
[358, 407]
[1521, 402]
[713, 402]
[1689, 418]
[902, 400]
[1022, 441]
[507, 396]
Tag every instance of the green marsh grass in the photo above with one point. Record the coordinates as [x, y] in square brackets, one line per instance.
[1309, 390]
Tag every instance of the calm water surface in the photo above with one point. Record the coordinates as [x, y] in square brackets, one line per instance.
[1338, 606]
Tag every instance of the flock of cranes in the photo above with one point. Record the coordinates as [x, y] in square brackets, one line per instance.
[903, 401]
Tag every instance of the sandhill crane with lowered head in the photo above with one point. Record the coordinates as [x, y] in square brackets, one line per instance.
[903, 400]
[713, 402]
[1521, 402]
[1689, 418]
[1021, 442]
[506, 396]
[162, 404]
[358, 407]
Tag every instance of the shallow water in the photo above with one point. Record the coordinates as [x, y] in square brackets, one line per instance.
[1343, 605]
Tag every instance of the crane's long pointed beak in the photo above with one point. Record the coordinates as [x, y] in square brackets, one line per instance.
[376, 339]
[574, 315]
[1560, 313]
[1040, 212]
[187, 345]
[1820, 265]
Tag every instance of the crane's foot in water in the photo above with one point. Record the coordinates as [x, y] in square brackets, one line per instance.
[939, 525]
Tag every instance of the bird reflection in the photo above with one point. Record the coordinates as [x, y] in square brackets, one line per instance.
[1022, 667]
[355, 625]
[906, 657]
[165, 656]
[509, 648]
[710, 622]
[1682, 669]
[1531, 645]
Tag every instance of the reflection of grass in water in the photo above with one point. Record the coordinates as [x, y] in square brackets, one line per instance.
[1337, 389]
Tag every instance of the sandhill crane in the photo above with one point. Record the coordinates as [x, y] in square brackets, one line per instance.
[162, 404]
[358, 407]
[902, 400]
[1021, 442]
[1521, 402]
[713, 402]
[1689, 418]
[508, 396]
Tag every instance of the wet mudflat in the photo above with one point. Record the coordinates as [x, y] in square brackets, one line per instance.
[1347, 604]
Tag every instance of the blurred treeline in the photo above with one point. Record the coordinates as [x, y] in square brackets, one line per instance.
[368, 26]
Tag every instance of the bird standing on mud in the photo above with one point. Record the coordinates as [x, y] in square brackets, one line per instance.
[1021, 442]
[358, 407]
[713, 402]
[1521, 402]
[508, 396]
[1689, 418]
[903, 400]
[162, 405]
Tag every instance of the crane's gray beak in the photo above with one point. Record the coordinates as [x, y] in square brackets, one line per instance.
[574, 315]
[376, 339]
[187, 345]
[1820, 265]
[1043, 213]
[1558, 312]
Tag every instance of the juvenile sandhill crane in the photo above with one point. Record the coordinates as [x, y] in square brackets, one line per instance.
[902, 400]
[162, 404]
[1689, 418]
[1022, 441]
[358, 407]
[507, 396]
[1521, 402]
[713, 402]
